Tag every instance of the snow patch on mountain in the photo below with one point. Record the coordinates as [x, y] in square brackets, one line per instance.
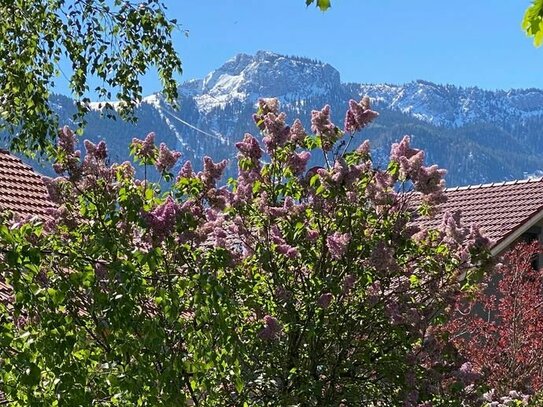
[451, 106]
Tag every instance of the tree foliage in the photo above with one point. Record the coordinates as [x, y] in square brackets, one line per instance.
[293, 286]
[532, 22]
[500, 329]
[110, 42]
[322, 4]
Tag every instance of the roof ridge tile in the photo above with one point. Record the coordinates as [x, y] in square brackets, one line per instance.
[493, 184]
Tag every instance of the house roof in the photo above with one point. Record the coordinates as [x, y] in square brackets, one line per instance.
[502, 210]
[22, 191]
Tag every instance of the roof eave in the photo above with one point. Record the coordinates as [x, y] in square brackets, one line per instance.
[510, 238]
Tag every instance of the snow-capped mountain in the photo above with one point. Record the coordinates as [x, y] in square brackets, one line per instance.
[451, 106]
[246, 78]
[478, 135]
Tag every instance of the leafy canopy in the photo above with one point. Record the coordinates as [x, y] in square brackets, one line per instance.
[296, 285]
[110, 42]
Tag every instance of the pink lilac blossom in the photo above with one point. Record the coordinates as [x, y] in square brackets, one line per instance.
[265, 106]
[426, 180]
[272, 328]
[69, 163]
[96, 151]
[380, 190]
[429, 180]
[353, 174]
[274, 211]
[420, 235]
[402, 149]
[276, 235]
[364, 148]
[451, 227]
[162, 219]
[193, 208]
[58, 168]
[392, 310]
[125, 170]
[288, 203]
[382, 258]
[268, 105]
[249, 147]
[288, 251]
[220, 236]
[166, 158]
[359, 115]
[476, 240]
[312, 235]
[409, 159]
[282, 246]
[185, 171]
[54, 188]
[374, 292]
[298, 161]
[325, 300]
[66, 140]
[320, 121]
[322, 126]
[244, 189]
[352, 197]
[348, 283]
[212, 171]
[145, 149]
[219, 198]
[297, 133]
[337, 244]
[276, 133]
[339, 171]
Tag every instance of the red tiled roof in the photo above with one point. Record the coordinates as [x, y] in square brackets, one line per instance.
[499, 209]
[22, 191]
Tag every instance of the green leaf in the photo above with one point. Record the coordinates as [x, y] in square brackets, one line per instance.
[323, 4]
[532, 23]
[239, 384]
[31, 375]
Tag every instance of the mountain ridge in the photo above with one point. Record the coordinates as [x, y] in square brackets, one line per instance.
[478, 135]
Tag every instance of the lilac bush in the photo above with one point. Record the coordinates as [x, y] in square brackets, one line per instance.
[290, 286]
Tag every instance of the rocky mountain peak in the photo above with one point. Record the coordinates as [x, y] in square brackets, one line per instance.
[246, 78]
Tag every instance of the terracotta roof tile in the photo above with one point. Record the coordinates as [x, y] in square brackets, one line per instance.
[22, 191]
[498, 208]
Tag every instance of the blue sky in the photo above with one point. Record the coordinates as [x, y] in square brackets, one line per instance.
[465, 42]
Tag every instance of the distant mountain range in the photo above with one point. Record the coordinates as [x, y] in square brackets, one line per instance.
[477, 135]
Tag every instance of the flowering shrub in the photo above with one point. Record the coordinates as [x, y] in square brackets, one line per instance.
[292, 286]
[500, 329]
